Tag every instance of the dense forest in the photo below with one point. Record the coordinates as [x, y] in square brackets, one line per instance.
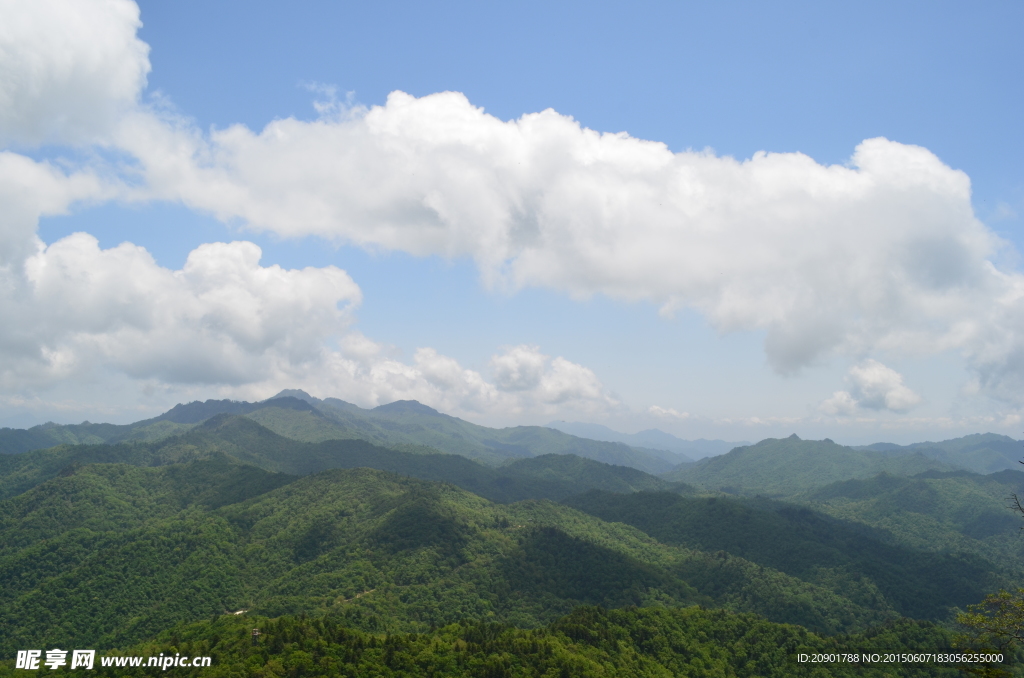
[356, 558]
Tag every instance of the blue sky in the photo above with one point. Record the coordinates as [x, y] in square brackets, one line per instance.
[451, 309]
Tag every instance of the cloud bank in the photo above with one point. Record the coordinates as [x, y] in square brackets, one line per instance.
[882, 255]
[68, 69]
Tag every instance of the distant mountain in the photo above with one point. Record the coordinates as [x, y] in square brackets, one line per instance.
[549, 476]
[981, 452]
[934, 511]
[651, 439]
[15, 441]
[785, 467]
[404, 425]
[408, 424]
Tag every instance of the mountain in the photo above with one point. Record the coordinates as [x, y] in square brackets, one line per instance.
[784, 467]
[980, 452]
[404, 425]
[245, 441]
[16, 441]
[836, 554]
[934, 511]
[109, 554]
[651, 439]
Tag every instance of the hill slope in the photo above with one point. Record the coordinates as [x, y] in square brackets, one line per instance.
[934, 511]
[808, 545]
[634, 643]
[110, 554]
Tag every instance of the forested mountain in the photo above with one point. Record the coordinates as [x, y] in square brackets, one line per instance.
[836, 554]
[591, 641]
[788, 466]
[364, 537]
[980, 452]
[934, 511]
[406, 425]
[652, 439]
[243, 440]
[112, 554]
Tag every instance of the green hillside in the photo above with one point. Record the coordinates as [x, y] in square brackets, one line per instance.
[634, 643]
[109, 554]
[108, 545]
[789, 466]
[934, 511]
[807, 545]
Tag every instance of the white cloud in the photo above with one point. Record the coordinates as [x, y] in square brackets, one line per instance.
[520, 368]
[883, 254]
[879, 387]
[68, 68]
[841, 403]
[222, 319]
[75, 314]
[873, 386]
[667, 412]
[29, 190]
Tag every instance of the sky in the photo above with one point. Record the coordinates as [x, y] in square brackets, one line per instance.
[730, 220]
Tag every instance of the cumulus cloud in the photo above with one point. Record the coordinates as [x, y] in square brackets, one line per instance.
[841, 403]
[667, 412]
[556, 385]
[68, 68]
[875, 387]
[882, 254]
[77, 313]
[221, 319]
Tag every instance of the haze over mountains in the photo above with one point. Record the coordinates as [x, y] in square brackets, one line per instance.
[404, 520]
[654, 439]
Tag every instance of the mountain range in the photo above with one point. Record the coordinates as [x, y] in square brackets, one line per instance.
[379, 531]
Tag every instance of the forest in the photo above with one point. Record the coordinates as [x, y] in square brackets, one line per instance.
[388, 550]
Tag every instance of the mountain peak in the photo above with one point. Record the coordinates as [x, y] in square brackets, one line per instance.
[296, 393]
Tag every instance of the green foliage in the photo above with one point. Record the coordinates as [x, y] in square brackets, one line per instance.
[589, 642]
[934, 511]
[110, 554]
[995, 625]
[838, 555]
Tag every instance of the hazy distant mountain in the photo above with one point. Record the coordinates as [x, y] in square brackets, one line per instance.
[651, 439]
[979, 452]
[404, 425]
[789, 466]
